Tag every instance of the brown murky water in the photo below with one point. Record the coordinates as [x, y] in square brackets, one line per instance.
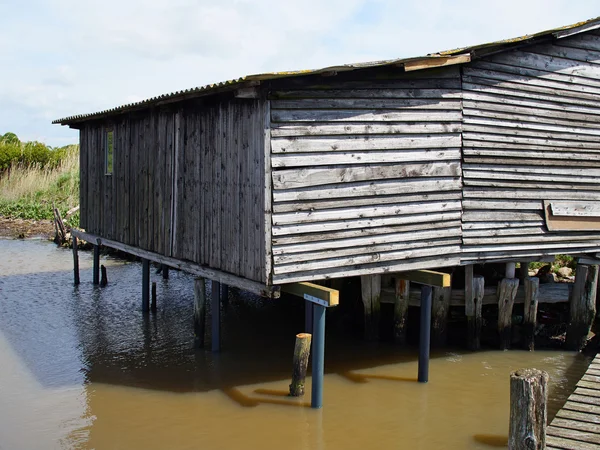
[83, 368]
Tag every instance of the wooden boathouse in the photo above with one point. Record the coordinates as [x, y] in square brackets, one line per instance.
[483, 154]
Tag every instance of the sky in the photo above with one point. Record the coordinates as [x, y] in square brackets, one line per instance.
[65, 57]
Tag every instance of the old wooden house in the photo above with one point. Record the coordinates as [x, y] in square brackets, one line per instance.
[487, 153]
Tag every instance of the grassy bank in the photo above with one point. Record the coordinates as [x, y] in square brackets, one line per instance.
[29, 191]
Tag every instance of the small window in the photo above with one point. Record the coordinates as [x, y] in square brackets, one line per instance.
[109, 151]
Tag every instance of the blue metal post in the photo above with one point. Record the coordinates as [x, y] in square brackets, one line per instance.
[96, 267]
[318, 359]
[216, 316]
[308, 317]
[425, 334]
[145, 285]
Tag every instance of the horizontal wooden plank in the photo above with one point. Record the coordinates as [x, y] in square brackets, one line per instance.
[586, 41]
[585, 399]
[470, 161]
[580, 416]
[570, 209]
[502, 225]
[533, 128]
[498, 175]
[371, 92]
[402, 81]
[535, 193]
[520, 231]
[581, 407]
[363, 115]
[437, 61]
[502, 133]
[363, 189]
[532, 205]
[364, 212]
[560, 247]
[281, 160]
[363, 232]
[541, 239]
[569, 223]
[369, 128]
[492, 216]
[296, 178]
[363, 223]
[352, 103]
[428, 277]
[587, 392]
[500, 169]
[589, 385]
[364, 142]
[326, 296]
[317, 205]
[196, 269]
[541, 185]
[577, 435]
[569, 444]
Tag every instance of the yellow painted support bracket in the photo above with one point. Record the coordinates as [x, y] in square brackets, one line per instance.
[314, 293]
[428, 277]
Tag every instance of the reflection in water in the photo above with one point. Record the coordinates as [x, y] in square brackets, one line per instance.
[84, 368]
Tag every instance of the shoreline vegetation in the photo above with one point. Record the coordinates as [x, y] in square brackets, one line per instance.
[34, 179]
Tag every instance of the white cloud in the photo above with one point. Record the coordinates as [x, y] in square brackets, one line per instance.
[73, 56]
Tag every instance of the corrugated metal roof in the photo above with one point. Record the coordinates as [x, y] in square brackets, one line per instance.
[432, 59]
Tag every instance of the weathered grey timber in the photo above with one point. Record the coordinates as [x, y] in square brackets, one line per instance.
[359, 170]
[583, 306]
[577, 424]
[300, 364]
[532, 290]
[528, 410]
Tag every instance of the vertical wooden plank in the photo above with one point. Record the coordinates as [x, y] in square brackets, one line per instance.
[507, 291]
[215, 257]
[532, 288]
[583, 306]
[402, 288]
[168, 182]
[177, 186]
[439, 314]
[371, 294]
[266, 237]
[83, 177]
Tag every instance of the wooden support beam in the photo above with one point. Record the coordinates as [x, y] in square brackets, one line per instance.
[104, 276]
[313, 293]
[436, 61]
[153, 300]
[523, 271]
[474, 321]
[96, 264]
[528, 410]
[507, 291]
[371, 296]
[532, 289]
[165, 272]
[428, 277]
[76, 280]
[215, 316]
[439, 314]
[199, 311]
[145, 285]
[401, 298]
[510, 269]
[583, 306]
[195, 269]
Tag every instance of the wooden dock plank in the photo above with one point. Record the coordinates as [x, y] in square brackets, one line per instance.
[587, 392]
[576, 425]
[566, 433]
[567, 444]
[589, 385]
[580, 416]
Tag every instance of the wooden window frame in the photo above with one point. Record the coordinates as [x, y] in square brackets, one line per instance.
[109, 131]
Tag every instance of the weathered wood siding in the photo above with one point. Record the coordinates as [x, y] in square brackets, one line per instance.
[187, 183]
[531, 133]
[366, 173]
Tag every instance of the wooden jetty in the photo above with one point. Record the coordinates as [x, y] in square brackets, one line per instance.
[408, 167]
[577, 425]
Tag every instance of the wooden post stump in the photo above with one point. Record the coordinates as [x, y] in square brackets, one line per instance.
[199, 311]
[532, 289]
[145, 285]
[507, 291]
[528, 410]
[371, 292]
[165, 272]
[583, 306]
[473, 303]
[153, 301]
[215, 316]
[96, 265]
[301, 355]
[75, 262]
[439, 313]
[523, 271]
[104, 277]
[401, 310]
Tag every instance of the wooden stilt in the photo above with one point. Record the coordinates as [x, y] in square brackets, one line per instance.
[425, 333]
[301, 354]
[583, 306]
[75, 262]
[532, 289]
[401, 309]
[474, 320]
[523, 271]
[371, 294]
[507, 291]
[104, 277]
[528, 410]
[439, 313]
[199, 311]
[308, 317]
[96, 265]
[145, 285]
[318, 362]
[165, 272]
[224, 296]
[216, 317]
[153, 302]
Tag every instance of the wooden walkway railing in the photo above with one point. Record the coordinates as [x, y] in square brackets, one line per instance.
[577, 424]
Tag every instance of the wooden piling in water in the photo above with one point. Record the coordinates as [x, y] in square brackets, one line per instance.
[583, 306]
[528, 409]
[507, 291]
[145, 285]
[402, 296]
[104, 277]
[165, 272]
[153, 302]
[199, 312]
[96, 265]
[474, 291]
[532, 289]
[76, 280]
[300, 364]
[371, 295]
[439, 312]
[215, 317]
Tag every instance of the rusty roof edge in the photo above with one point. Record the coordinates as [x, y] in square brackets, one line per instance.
[224, 86]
